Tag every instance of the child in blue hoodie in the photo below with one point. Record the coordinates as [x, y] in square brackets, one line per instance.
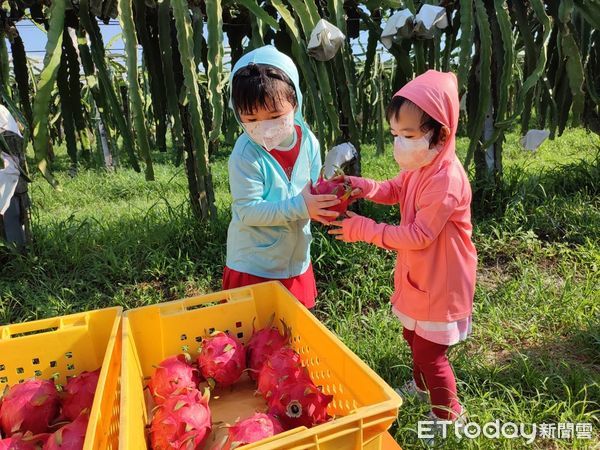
[270, 171]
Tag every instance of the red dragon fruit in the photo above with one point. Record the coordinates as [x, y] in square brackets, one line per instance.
[181, 422]
[172, 376]
[29, 406]
[262, 345]
[79, 394]
[259, 426]
[27, 441]
[334, 186]
[283, 365]
[222, 359]
[299, 403]
[71, 436]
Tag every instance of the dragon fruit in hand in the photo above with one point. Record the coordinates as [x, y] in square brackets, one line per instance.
[79, 394]
[71, 436]
[27, 441]
[172, 376]
[222, 359]
[259, 426]
[299, 403]
[29, 406]
[262, 345]
[339, 187]
[281, 366]
[181, 422]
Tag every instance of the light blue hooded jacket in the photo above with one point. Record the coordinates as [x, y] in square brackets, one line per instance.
[269, 234]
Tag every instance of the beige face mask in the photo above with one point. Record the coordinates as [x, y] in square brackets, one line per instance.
[411, 154]
[271, 133]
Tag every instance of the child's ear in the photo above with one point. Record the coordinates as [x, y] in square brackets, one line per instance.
[444, 135]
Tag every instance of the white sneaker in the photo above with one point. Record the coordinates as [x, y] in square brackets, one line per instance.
[439, 425]
[411, 390]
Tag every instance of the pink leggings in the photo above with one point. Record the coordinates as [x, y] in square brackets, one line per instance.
[432, 371]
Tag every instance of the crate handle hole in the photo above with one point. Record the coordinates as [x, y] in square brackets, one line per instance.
[204, 305]
[29, 333]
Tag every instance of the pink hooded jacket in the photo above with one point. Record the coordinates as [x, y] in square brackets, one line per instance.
[436, 264]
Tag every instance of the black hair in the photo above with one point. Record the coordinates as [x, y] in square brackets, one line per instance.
[261, 86]
[428, 123]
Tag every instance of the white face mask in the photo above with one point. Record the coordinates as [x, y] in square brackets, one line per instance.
[412, 154]
[271, 133]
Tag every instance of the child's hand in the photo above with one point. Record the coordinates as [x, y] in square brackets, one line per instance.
[356, 191]
[317, 205]
[341, 233]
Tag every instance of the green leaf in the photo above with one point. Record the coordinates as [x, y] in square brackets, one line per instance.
[259, 12]
[485, 94]
[214, 13]
[135, 96]
[46, 83]
[105, 97]
[199, 144]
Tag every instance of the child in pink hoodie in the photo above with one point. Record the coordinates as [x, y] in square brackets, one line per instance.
[435, 268]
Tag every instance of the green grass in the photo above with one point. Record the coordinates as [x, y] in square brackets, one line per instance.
[534, 355]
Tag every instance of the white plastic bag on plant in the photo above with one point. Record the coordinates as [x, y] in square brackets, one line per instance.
[337, 157]
[9, 177]
[8, 122]
[534, 138]
[325, 41]
[399, 25]
[428, 19]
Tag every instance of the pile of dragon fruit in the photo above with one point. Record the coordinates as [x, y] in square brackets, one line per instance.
[182, 417]
[39, 415]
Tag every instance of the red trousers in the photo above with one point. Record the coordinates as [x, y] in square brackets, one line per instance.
[432, 372]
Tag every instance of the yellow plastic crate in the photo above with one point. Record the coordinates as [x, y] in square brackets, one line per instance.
[364, 405]
[67, 346]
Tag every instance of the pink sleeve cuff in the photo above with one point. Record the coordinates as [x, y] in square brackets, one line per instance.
[363, 229]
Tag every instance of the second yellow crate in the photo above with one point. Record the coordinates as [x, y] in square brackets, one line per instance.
[364, 405]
